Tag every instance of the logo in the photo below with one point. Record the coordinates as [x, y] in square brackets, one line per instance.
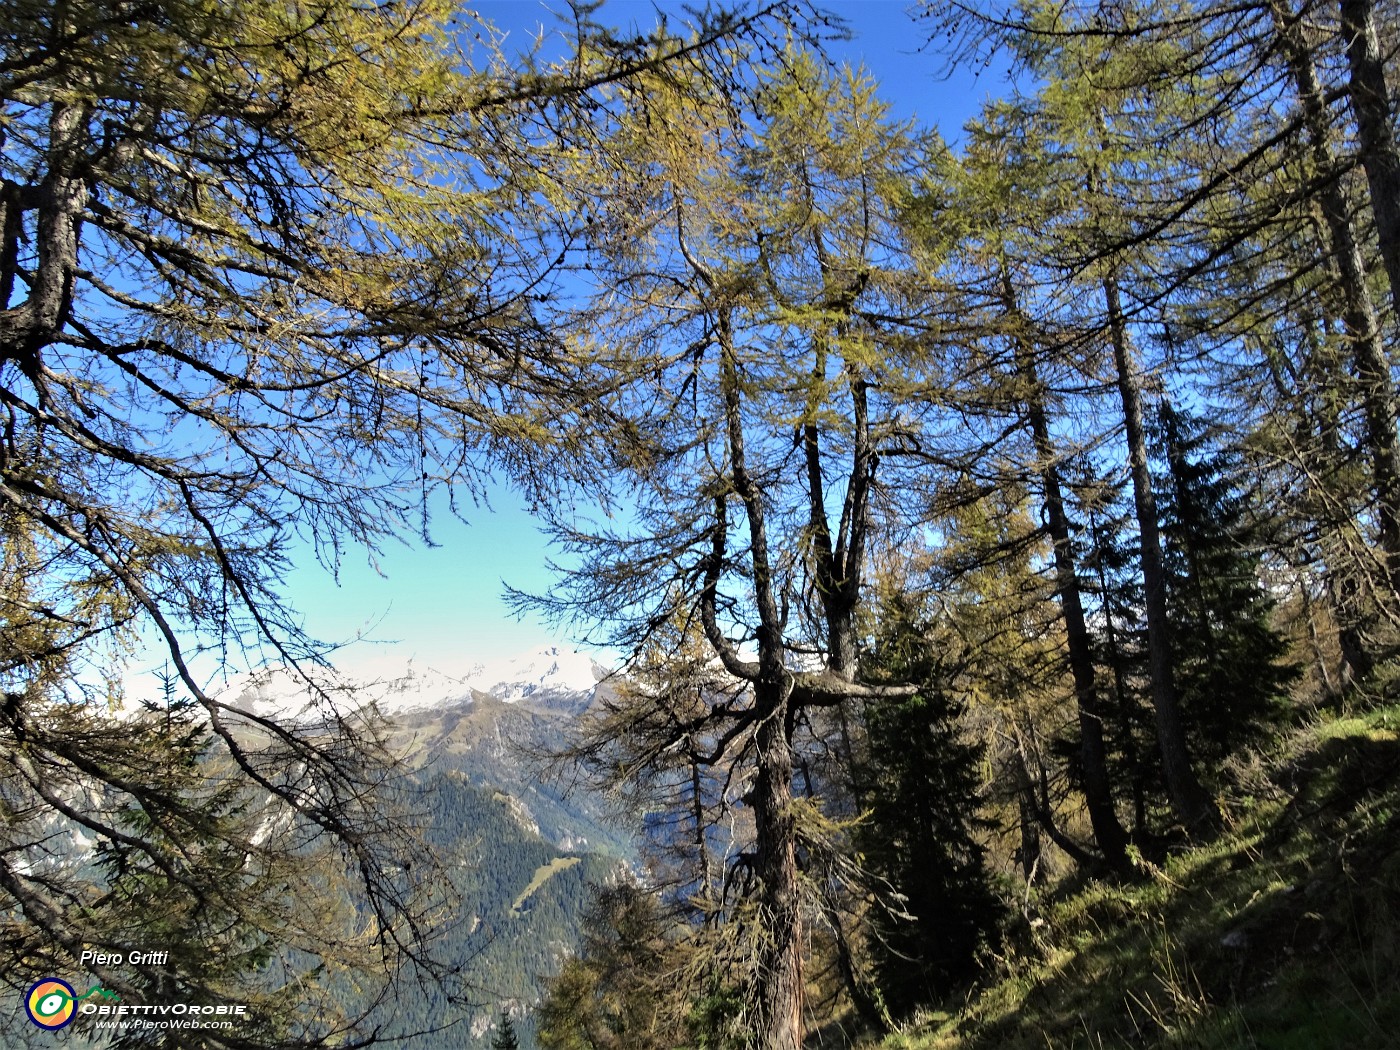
[50, 1003]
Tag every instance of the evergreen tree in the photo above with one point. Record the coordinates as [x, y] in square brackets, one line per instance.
[1272, 251]
[1229, 659]
[620, 992]
[505, 1034]
[921, 835]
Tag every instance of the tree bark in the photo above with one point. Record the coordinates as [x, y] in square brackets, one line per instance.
[1370, 101]
[1114, 653]
[840, 585]
[1192, 805]
[1039, 805]
[1353, 638]
[778, 995]
[1358, 312]
[1028, 853]
[838, 561]
[781, 987]
[27, 327]
[1098, 794]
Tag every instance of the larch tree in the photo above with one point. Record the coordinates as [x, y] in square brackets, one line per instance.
[1005, 194]
[1196, 170]
[271, 274]
[751, 258]
[1338, 356]
[1071, 282]
[1270, 204]
[1368, 53]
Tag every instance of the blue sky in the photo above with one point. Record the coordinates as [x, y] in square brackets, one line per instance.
[441, 607]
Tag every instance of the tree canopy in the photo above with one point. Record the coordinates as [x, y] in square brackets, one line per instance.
[855, 444]
[271, 275]
[891, 384]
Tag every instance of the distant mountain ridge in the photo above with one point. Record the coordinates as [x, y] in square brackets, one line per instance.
[550, 677]
[522, 901]
[534, 841]
[496, 726]
[507, 746]
[521, 840]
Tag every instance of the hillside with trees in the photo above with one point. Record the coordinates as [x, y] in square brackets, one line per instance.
[1002, 537]
[1000, 514]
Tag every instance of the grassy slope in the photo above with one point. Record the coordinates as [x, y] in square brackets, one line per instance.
[542, 874]
[1283, 935]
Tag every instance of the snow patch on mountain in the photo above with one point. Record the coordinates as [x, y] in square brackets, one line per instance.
[549, 671]
[416, 689]
[551, 676]
[278, 694]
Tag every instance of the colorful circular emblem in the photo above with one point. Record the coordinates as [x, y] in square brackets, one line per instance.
[50, 1003]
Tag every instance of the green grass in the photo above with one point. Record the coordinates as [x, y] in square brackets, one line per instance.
[543, 874]
[1284, 934]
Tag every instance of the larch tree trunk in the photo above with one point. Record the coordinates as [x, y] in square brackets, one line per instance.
[779, 994]
[1357, 310]
[781, 983]
[1375, 124]
[1121, 698]
[1098, 795]
[1192, 805]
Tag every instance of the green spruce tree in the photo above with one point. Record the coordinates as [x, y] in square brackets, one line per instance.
[505, 1034]
[921, 835]
[1230, 660]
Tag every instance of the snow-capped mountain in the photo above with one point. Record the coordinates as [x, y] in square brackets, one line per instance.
[282, 695]
[520, 838]
[494, 724]
[550, 677]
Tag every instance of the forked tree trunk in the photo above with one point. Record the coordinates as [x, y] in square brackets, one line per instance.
[777, 996]
[27, 327]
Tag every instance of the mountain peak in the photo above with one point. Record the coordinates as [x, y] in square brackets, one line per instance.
[540, 673]
[550, 676]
